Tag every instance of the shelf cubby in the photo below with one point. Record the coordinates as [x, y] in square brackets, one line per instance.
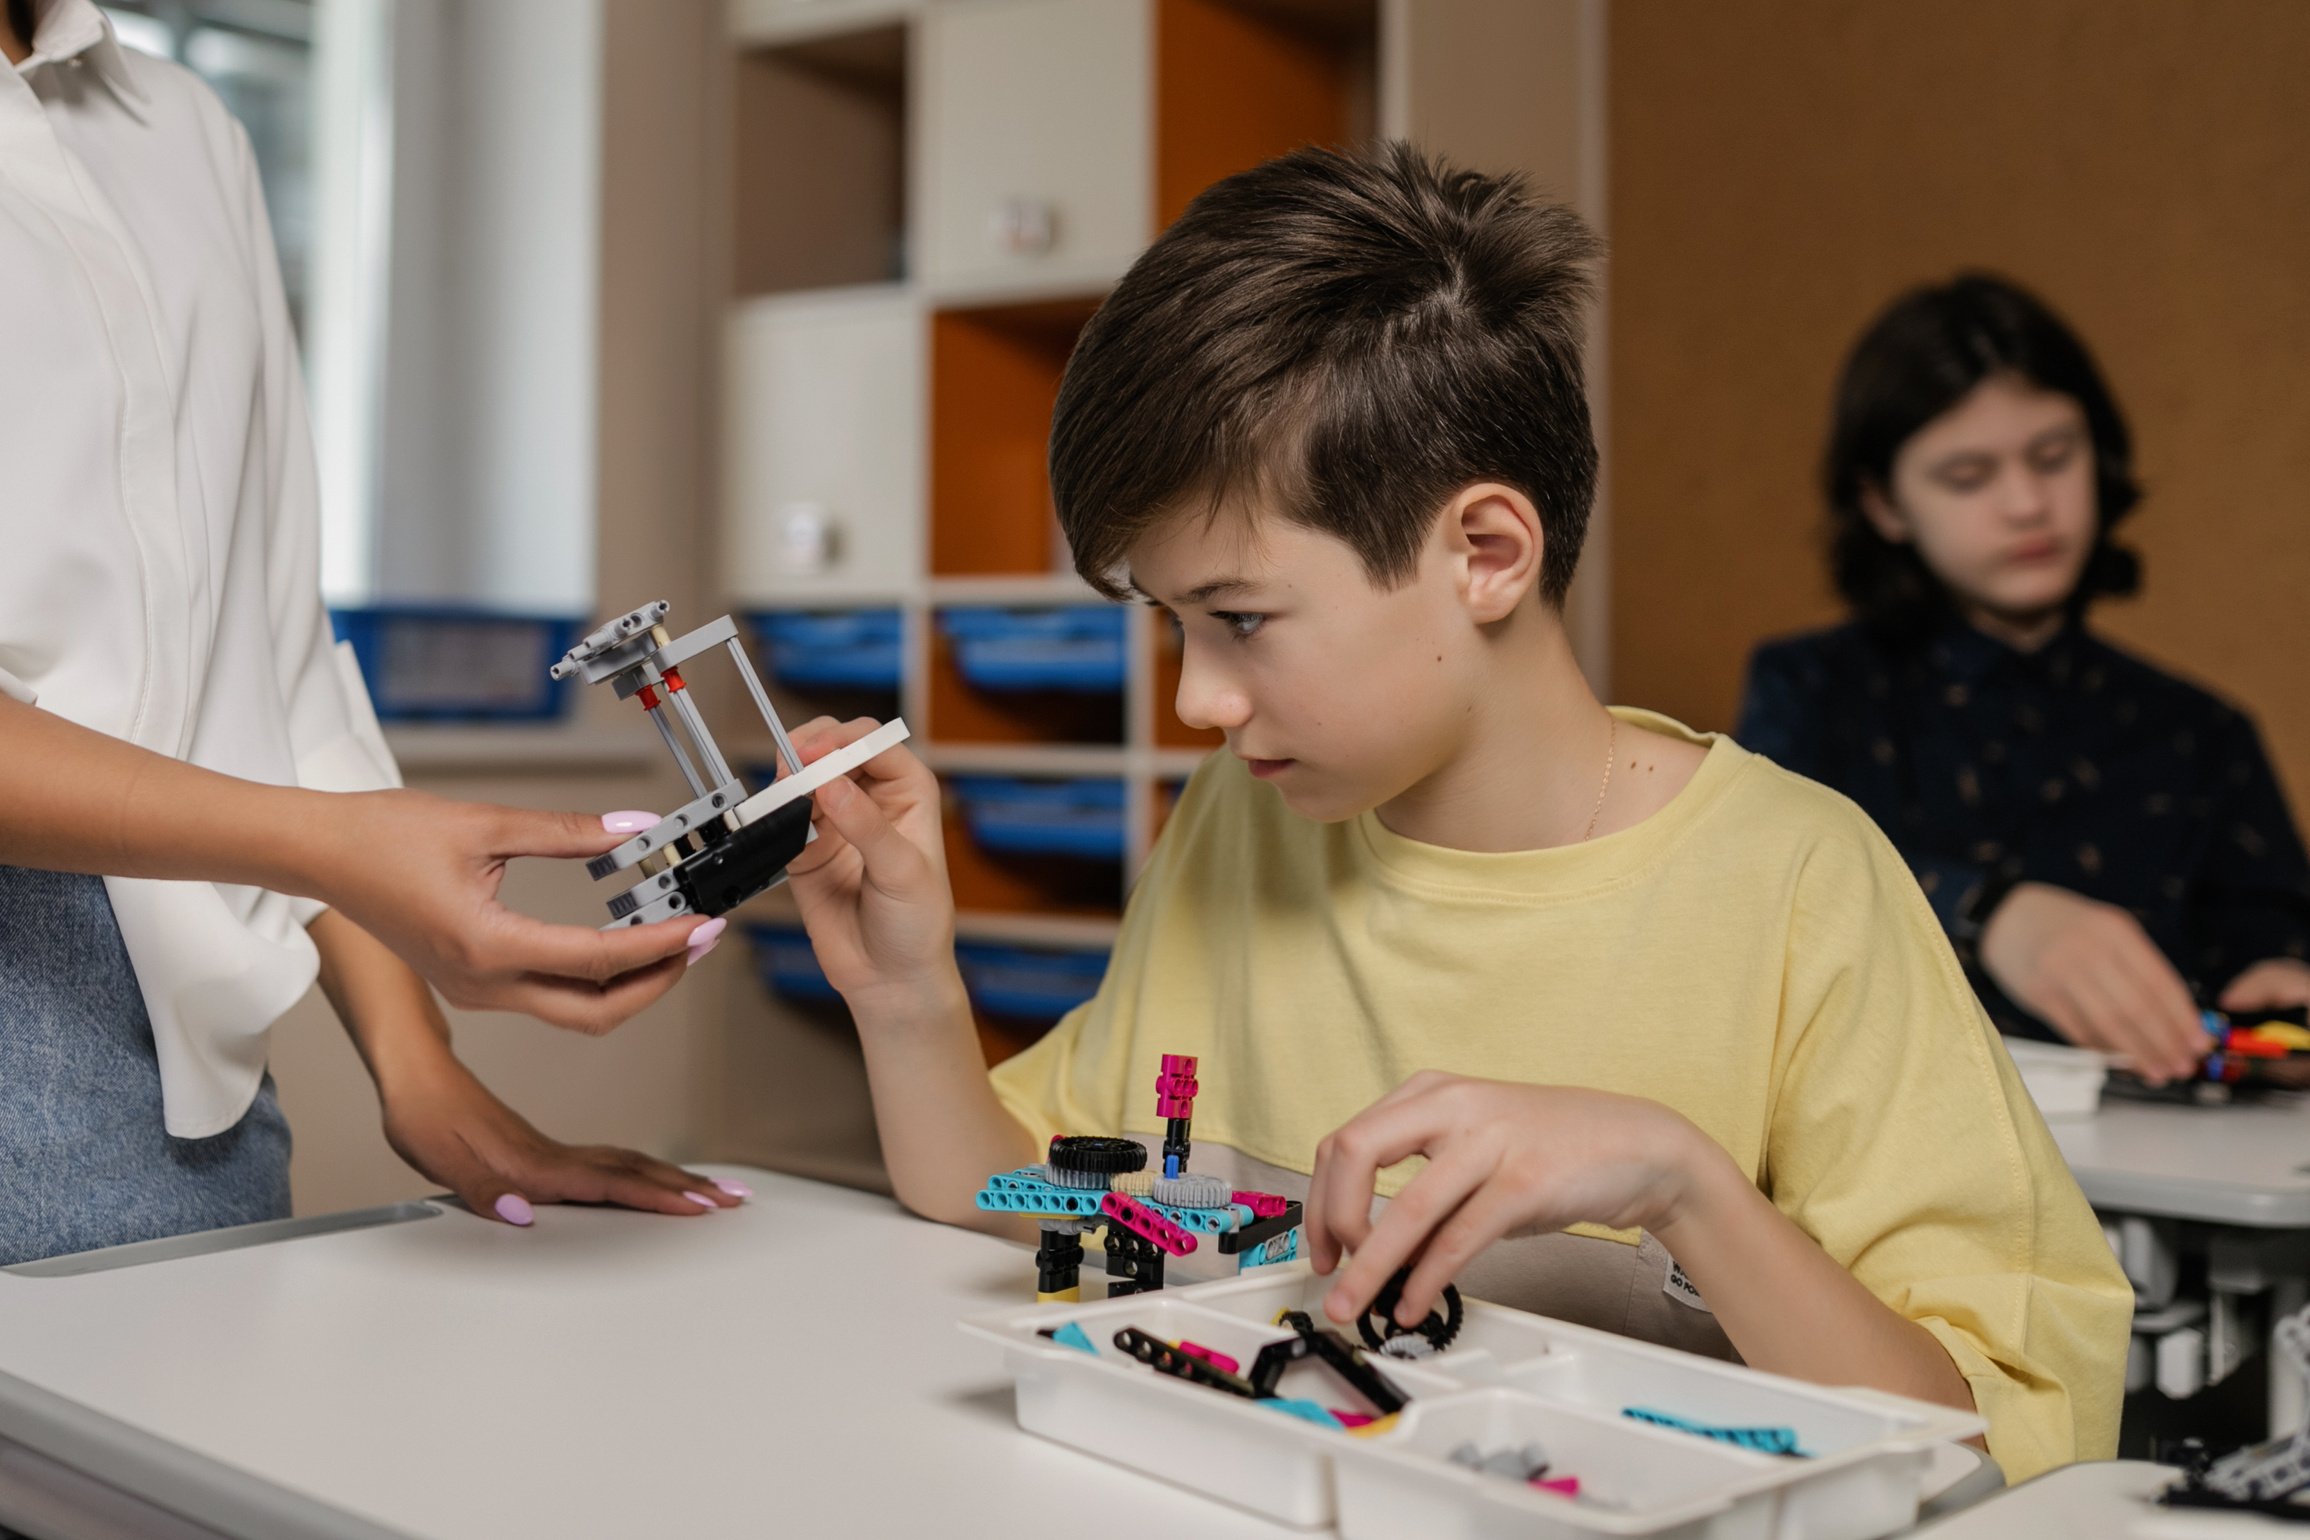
[994, 377]
[819, 127]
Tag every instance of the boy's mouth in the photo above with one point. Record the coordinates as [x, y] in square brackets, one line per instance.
[1268, 769]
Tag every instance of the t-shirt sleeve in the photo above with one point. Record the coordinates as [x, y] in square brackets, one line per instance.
[1903, 1142]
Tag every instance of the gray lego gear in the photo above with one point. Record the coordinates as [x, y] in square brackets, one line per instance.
[1134, 1184]
[1192, 1190]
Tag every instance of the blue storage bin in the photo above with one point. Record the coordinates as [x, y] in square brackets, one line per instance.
[451, 663]
[1079, 648]
[1028, 984]
[832, 649]
[787, 966]
[1043, 818]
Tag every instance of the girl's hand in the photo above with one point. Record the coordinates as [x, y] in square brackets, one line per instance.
[2279, 984]
[873, 887]
[1503, 1159]
[2091, 972]
[421, 874]
[450, 1127]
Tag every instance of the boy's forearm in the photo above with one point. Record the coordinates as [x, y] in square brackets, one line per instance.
[943, 1132]
[76, 800]
[1786, 1304]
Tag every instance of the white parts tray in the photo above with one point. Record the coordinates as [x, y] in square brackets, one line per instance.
[2065, 1082]
[1509, 1378]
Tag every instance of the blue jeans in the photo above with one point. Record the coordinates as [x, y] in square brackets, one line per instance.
[85, 1160]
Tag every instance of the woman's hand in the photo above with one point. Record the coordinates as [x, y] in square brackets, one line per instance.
[1503, 1159]
[421, 874]
[450, 1127]
[873, 886]
[2091, 972]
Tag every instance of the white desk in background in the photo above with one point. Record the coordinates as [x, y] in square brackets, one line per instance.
[2106, 1501]
[2234, 1179]
[787, 1367]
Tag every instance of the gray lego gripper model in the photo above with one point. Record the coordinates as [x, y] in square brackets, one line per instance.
[724, 845]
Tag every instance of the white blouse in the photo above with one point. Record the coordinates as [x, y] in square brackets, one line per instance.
[159, 534]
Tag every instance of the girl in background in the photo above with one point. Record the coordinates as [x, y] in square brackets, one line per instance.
[2105, 842]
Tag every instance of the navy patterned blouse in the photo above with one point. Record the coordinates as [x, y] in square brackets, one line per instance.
[2077, 765]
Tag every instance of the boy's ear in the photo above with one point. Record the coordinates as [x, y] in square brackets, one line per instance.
[1495, 534]
[1883, 517]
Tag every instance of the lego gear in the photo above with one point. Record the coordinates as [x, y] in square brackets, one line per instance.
[1190, 1191]
[1133, 1184]
[1093, 1154]
[1379, 1328]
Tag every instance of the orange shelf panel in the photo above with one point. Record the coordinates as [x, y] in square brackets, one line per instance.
[994, 379]
[1006, 884]
[1234, 87]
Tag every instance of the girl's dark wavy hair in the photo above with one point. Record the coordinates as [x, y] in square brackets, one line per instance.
[1917, 360]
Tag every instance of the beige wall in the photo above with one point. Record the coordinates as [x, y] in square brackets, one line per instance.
[1780, 168]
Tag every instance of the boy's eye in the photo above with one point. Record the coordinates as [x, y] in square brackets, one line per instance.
[1245, 626]
[2052, 457]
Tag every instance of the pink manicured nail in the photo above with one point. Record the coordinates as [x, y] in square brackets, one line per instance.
[514, 1209]
[706, 937]
[734, 1189]
[701, 1200]
[628, 822]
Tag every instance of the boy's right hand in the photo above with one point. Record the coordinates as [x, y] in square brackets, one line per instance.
[2091, 972]
[421, 874]
[873, 886]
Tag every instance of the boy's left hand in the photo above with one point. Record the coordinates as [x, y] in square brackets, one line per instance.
[456, 1132]
[1503, 1158]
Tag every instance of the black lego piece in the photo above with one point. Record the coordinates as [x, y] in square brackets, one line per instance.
[1347, 1361]
[1163, 1358]
[1095, 1155]
[1134, 1263]
[1378, 1323]
[735, 867]
[1235, 1241]
[1058, 1262]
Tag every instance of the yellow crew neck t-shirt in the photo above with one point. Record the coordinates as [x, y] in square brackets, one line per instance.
[1754, 955]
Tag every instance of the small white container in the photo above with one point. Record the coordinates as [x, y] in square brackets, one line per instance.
[2065, 1082]
[1508, 1378]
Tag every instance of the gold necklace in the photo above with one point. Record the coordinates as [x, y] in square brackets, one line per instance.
[1611, 743]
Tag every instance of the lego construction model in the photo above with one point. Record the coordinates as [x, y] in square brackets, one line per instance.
[725, 844]
[2272, 1477]
[1091, 1183]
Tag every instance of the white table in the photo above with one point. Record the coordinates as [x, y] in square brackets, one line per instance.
[790, 1367]
[2242, 1170]
[2107, 1501]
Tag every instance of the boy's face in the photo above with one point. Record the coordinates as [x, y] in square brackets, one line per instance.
[1997, 495]
[1337, 693]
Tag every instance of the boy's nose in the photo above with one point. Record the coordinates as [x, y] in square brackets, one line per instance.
[1206, 700]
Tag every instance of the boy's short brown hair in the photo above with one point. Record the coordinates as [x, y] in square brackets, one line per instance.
[1349, 340]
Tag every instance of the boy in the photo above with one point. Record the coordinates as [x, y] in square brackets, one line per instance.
[1602, 972]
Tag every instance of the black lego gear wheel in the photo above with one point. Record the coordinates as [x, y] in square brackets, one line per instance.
[1378, 1324]
[1095, 1155]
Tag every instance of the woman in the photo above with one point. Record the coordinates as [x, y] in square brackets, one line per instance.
[196, 813]
[2105, 842]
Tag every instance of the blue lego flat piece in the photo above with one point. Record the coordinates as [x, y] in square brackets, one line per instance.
[1072, 1335]
[1305, 1411]
[1017, 1194]
[1280, 1248]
